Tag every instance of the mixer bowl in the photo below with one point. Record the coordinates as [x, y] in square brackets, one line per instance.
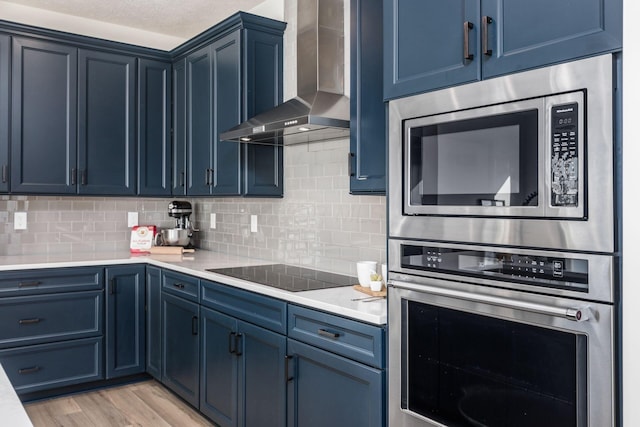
[176, 236]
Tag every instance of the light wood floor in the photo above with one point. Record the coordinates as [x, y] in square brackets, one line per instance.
[141, 404]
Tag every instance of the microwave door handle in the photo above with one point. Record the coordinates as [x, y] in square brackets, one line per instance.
[576, 314]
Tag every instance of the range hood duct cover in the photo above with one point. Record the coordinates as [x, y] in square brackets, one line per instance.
[320, 111]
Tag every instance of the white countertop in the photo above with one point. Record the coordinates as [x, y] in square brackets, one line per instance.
[11, 409]
[333, 300]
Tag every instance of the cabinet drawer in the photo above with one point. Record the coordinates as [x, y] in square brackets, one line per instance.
[182, 285]
[269, 313]
[355, 340]
[30, 282]
[48, 366]
[45, 318]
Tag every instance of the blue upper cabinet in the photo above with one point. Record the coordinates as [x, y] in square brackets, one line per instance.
[367, 157]
[43, 156]
[424, 45]
[430, 45]
[232, 72]
[5, 52]
[154, 141]
[106, 123]
[179, 134]
[522, 34]
[198, 118]
[262, 167]
[226, 80]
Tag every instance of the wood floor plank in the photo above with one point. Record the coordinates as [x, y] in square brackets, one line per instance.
[143, 404]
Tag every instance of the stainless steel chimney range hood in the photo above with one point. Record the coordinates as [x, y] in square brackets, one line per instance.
[320, 111]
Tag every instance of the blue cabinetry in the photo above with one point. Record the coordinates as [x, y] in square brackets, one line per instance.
[430, 45]
[368, 132]
[180, 336]
[243, 357]
[336, 374]
[234, 73]
[154, 321]
[5, 58]
[43, 157]
[106, 123]
[154, 124]
[125, 325]
[52, 327]
[179, 130]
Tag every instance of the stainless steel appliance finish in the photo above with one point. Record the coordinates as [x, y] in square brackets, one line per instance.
[320, 111]
[586, 224]
[481, 335]
[594, 365]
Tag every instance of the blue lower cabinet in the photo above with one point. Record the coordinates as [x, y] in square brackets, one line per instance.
[243, 382]
[125, 331]
[48, 366]
[181, 347]
[154, 321]
[219, 386]
[328, 390]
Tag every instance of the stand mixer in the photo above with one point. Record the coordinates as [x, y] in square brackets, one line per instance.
[183, 231]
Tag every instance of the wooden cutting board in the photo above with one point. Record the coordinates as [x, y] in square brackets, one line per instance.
[368, 291]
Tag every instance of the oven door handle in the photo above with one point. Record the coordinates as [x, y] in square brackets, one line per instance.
[577, 314]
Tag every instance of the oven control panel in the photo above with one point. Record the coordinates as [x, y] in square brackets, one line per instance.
[564, 157]
[537, 270]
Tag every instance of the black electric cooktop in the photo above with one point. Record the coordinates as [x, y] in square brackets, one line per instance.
[287, 277]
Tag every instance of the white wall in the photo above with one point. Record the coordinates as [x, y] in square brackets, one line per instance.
[631, 217]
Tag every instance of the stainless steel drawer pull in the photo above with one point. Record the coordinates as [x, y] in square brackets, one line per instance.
[29, 321]
[30, 370]
[28, 284]
[486, 20]
[179, 285]
[328, 334]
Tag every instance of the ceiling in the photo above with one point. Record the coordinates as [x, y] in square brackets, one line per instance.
[173, 18]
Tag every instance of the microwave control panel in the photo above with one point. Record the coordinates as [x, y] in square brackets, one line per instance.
[564, 157]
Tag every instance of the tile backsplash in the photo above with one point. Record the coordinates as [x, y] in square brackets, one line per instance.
[317, 224]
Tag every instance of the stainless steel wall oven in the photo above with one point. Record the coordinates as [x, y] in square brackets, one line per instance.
[502, 252]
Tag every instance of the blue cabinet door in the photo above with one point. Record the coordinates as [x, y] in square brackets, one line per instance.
[126, 326]
[154, 322]
[226, 100]
[5, 57]
[154, 121]
[524, 34]
[199, 119]
[368, 148]
[179, 134]
[262, 164]
[220, 355]
[262, 377]
[43, 156]
[181, 347]
[329, 390]
[106, 123]
[424, 45]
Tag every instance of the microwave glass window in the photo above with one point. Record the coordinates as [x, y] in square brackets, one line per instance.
[488, 161]
[465, 369]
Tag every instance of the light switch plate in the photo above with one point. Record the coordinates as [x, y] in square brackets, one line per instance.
[254, 223]
[20, 221]
[132, 219]
[212, 221]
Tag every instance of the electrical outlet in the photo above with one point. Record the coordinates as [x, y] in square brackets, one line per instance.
[212, 221]
[20, 221]
[254, 223]
[132, 219]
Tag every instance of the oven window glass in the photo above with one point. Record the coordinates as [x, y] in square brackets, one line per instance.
[487, 161]
[470, 370]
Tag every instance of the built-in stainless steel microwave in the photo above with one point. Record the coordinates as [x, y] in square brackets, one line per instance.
[525, 159]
